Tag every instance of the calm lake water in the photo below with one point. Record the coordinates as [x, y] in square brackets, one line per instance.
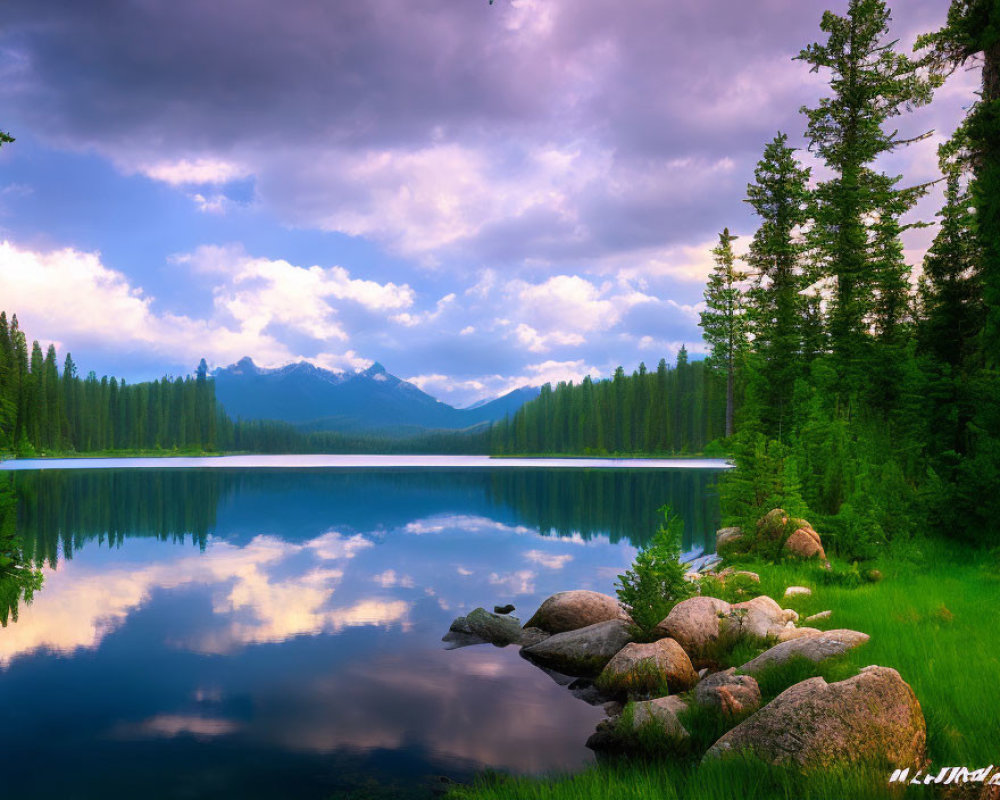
[273, 630]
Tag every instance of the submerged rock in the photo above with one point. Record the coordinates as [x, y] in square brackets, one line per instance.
[582, 652]
[873, 716]
[569, 611]
[817, 647]
[494, 628]
[644, 667]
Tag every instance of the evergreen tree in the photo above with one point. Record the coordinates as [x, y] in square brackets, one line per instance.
[724, 321]
[871, 83]
[780, 197]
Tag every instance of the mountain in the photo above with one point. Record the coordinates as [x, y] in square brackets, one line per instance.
[373, 399]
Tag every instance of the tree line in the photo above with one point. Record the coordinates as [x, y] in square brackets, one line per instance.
[678, 409]
[45, 409]
[862, 396]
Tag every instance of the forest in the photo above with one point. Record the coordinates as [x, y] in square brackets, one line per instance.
[670, 411]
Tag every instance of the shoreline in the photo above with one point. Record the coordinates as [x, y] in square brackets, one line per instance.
[353, 461]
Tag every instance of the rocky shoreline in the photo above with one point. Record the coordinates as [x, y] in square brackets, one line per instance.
[650, 688]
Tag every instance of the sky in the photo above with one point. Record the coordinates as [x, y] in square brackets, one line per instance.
[477, 196]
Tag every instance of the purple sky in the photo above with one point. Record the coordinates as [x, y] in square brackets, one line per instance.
[477, 196]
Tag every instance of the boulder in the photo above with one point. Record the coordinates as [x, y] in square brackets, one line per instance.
[645, 667]
[790, 632]
[818, 616]
[818, 647]
[663, 711]
[727, 536]
[694, 625]
[617, 733]
[792, 591]
[873, 716]
[569, 611]
[771, 527]
[530, 636]
[494, 628]
[728, 692]
[805, 543]
[582, 652]
[760, 617]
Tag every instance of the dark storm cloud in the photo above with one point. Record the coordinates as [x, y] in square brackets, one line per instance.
[327, 105]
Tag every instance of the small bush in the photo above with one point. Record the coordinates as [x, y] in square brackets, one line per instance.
[655, 583]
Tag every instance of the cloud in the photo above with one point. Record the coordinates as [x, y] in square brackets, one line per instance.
[548, 560]
[202, 170]
[256, 597]
[515, 583]
[523, 132]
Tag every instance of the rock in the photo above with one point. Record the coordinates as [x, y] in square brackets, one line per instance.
[702, 672]
[645, 667]
[584, 689]
[613, 708]
[790, 615]
[582, 652]
[805, 543]
[457, 639]
[771, 527]
[493, 628]
[818, 616]
[460, 625]
[730, 572]
[728, 692]
[792, 591]
[873, 716]
[727, 536]
[693, 577]
[530, 636]
[873, 575]
[790, 632]
[569, 611]
[662, 711]
[709, 563]
[816, 648]
[694, 625]
[702, 564]
[504, 609]
[759, 618]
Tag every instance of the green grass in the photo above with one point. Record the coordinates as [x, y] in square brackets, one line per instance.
[935, 617]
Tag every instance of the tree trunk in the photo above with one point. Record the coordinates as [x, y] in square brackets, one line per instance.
[730, 384]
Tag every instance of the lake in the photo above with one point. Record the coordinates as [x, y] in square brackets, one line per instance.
[272, 628]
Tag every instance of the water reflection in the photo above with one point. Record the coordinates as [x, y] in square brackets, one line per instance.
[298, 643]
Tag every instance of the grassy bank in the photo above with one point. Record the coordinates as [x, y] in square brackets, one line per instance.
[934, 617]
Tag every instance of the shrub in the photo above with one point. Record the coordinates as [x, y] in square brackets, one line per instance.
[655, 583]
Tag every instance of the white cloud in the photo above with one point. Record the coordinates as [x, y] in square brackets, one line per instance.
[519, 582]
[74, 298]
[254, 599]
[200, 170]
[549, 560]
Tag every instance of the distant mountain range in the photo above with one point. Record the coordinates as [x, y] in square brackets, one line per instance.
[316, 399]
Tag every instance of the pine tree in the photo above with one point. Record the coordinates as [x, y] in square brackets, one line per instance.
[724, 321]
[871, 83]
[780, 197]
